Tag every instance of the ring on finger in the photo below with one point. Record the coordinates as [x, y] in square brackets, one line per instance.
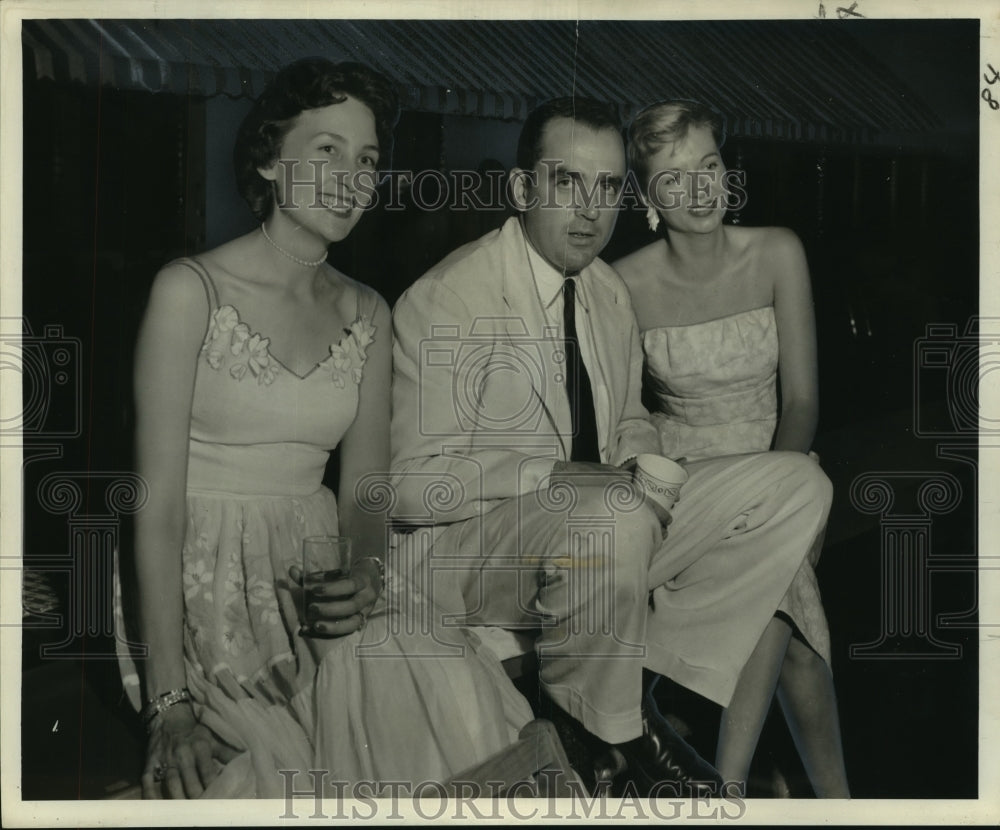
[160, 772]
[364, 619]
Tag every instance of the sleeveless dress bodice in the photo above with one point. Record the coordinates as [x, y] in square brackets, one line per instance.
[256, 426]
[714, 385]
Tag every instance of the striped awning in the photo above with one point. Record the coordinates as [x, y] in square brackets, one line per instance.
[794, 80]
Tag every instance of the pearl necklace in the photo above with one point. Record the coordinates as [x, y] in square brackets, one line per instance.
[307, 263]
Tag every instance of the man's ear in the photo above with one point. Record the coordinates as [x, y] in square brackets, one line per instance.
[518, 183]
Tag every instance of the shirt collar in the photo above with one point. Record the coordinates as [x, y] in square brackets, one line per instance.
[548, 281]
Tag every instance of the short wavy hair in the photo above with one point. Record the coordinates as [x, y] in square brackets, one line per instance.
[304, 85]
[664, 122]
[598, 115]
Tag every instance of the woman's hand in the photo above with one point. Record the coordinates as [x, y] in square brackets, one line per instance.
[182, 756]
[339, 606]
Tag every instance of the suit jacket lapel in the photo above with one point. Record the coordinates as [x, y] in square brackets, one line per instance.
[521, 297]
[605, 326]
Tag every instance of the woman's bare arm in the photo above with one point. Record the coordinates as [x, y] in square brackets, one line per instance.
[797, 363]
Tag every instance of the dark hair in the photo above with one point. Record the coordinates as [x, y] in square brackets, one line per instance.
[597, 115]
[304, 85]
[667, 121]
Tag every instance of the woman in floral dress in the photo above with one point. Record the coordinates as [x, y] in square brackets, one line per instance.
[254, 361]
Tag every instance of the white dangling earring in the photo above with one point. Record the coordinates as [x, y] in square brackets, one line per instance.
[653, 217]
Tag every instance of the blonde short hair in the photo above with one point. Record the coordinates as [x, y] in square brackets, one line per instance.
[664, 122]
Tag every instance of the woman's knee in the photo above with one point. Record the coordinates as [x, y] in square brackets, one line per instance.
[804, 478]
[801, 658]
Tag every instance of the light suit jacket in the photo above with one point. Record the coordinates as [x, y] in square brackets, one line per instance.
[480, 413]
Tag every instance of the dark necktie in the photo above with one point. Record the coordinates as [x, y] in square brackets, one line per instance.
[581, 396]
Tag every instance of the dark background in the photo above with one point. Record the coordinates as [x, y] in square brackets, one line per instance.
[117, 181]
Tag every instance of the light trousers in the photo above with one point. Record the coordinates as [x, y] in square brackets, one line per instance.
[591, 569]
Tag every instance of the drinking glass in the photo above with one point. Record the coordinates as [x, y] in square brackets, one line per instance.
[324, 558]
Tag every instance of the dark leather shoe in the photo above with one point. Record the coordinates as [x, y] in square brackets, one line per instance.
[596, 762]
[661, 763]
[603, 770]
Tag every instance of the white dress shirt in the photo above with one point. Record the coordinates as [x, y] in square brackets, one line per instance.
[549, 284]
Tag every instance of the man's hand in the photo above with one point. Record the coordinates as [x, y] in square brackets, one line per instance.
[661, 512]
[592, 474]
[587, 473]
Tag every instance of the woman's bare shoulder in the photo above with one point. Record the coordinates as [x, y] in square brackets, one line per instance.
[177, 287]
[353, 294]
[767, 239]
[233, 259]
[641, 265]
[771, 248]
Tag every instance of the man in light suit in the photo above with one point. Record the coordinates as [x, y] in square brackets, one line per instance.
[515, 435]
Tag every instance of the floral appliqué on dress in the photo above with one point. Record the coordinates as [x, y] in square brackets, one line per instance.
[348, 356]
[228, 337]
[227, 334]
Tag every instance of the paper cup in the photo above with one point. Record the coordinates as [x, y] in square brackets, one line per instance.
[660, 478]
